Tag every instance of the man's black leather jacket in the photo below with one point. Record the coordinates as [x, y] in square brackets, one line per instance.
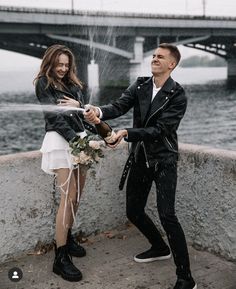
[154, 122]
[66, 123]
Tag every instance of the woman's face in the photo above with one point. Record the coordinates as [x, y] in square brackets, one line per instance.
[62, 66]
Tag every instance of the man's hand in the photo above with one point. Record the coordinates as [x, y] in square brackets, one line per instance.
[118, 137]
[91, 114]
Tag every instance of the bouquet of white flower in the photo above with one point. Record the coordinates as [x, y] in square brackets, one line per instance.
[86, 151]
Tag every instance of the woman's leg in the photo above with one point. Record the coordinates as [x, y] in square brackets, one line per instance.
[73, 247]
[63, 265]
[66, 181]
[81, 174]
[82, 177]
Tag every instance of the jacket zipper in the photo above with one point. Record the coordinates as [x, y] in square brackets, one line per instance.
[145, 154]
[168, 142]
[144, 149]
[156, 111]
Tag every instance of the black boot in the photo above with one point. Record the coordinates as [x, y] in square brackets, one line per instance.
[74, 248]
[63, 265]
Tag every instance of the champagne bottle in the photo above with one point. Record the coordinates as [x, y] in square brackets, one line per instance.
[104, 130]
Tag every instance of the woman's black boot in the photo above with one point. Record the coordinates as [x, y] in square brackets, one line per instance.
[63, 265]
[74, 248]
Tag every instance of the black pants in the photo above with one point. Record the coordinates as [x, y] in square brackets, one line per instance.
[138, 187]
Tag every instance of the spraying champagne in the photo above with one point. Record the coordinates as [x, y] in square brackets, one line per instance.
[103, 129]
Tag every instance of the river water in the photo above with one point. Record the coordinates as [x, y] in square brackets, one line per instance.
[210, 118]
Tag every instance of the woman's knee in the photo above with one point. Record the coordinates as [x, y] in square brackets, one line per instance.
[67, 204]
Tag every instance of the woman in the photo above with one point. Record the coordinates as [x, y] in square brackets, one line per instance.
[57, 83]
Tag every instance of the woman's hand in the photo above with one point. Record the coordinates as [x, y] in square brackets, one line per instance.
[67, 101]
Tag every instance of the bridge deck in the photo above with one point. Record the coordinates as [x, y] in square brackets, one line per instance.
[113, 14]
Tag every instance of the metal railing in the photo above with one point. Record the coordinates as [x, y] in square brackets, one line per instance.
[111, 14]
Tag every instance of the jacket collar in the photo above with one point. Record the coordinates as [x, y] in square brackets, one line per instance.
[163, 95]
[169, 85]
[146, 107]
[64, 91]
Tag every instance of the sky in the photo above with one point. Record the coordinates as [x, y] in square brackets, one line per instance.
[9, 60]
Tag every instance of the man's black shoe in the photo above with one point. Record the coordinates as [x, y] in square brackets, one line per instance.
[184, 284]
[153, 255]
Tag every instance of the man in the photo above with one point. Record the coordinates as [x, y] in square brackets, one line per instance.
[159, 105]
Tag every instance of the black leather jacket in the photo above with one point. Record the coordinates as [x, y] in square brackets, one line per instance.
[154, 123]
[66, 123]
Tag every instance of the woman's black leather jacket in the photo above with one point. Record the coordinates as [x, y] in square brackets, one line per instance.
[66, 123]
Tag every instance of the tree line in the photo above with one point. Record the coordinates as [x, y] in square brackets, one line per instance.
[206, 61]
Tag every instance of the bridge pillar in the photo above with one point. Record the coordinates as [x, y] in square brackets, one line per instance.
[93, 74]
[93, 78]
[231, 72]
[136, 62]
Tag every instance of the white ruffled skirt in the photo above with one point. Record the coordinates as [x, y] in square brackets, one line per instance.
[56, 152]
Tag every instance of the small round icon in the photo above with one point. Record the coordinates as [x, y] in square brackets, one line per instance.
[15, 274]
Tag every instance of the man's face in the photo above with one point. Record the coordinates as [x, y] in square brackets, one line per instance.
[62, 66]
[162, 62]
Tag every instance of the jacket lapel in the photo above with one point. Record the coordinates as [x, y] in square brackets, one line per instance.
[162, 96]
[65, 92]
[145, 97]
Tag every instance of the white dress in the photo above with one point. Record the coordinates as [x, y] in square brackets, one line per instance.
[56, 152]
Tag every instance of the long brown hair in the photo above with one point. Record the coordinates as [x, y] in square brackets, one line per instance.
[49, 62]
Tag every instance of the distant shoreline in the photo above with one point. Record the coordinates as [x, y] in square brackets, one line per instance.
[203, 61]
[21, 82]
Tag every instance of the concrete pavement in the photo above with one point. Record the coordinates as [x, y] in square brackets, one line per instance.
[109, 265]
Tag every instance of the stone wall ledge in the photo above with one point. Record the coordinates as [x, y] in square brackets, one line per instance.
[205, 199]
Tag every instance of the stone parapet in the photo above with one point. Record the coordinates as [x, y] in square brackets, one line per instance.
[205, 201]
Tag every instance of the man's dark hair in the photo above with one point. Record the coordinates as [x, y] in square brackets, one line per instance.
[174, 51]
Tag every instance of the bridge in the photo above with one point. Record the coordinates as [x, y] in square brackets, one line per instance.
[114, 43]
